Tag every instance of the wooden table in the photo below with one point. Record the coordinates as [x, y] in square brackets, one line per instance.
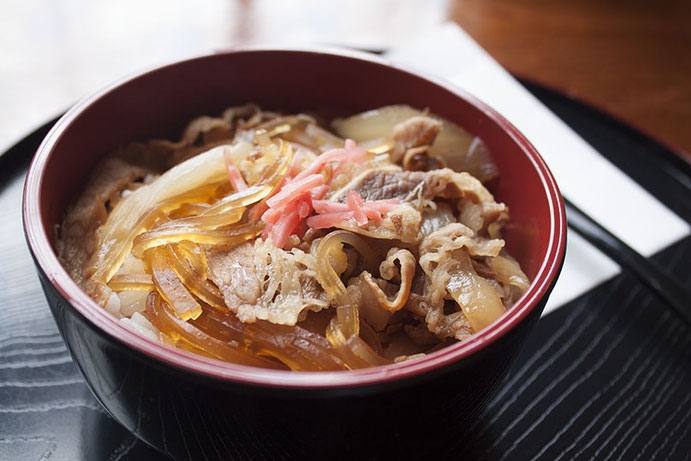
[631, 58]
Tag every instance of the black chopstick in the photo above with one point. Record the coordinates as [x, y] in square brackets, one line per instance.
[667, 288]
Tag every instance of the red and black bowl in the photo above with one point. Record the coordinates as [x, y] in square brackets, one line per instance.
[192, 407]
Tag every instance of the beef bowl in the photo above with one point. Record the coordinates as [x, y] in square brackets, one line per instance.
[176, 395]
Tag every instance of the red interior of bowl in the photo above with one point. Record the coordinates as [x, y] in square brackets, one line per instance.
[159, 103]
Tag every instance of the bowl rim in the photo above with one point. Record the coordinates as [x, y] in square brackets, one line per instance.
[48, 263]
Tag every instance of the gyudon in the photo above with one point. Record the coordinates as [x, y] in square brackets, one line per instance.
[270, 240]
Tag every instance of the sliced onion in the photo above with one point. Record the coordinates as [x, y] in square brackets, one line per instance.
[352, 349]
[204, 221]
[365, 352]
[213, 226]
[328, 278]
[344, 329]
[135, 212]
[330, 249]
[313, 137]
[373, 124]
[456, 147]
[120, 251]
[349, 320]
[388, 270]
[139, 210]
[477, 298]
[507, 271]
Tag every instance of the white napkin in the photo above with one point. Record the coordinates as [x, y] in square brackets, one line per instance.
[583, 175]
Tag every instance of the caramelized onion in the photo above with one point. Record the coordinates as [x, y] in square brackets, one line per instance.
[475, 295]
[331, 248]
[362, 350]
[298, 348]
[170, 287]
[507, 271]
[190, 276]
[141, 208]
[265, 185]
[348, 319]
[195, 257]
[206, 221]
[344, 329]
[163, 318]
[330, 251]
[189, 209]
[352, 349]
[230, 236]
[370, 337]
[126, 282]
[120, 250]
[388, 271]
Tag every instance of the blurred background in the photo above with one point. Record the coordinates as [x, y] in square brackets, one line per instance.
[631, 58]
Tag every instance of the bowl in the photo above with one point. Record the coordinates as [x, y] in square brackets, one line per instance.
[192, 407]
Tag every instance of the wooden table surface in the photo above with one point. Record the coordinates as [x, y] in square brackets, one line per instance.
[631, 58]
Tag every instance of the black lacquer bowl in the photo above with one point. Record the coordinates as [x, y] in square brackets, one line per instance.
[192, 407]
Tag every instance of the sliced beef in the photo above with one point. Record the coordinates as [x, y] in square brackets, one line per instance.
[236, 274]
[402, 223]
[205, 132]
[260, 281]
[449, 277]
[418, 191]
[387, 184]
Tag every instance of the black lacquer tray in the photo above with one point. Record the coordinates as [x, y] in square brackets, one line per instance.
[606, 376]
